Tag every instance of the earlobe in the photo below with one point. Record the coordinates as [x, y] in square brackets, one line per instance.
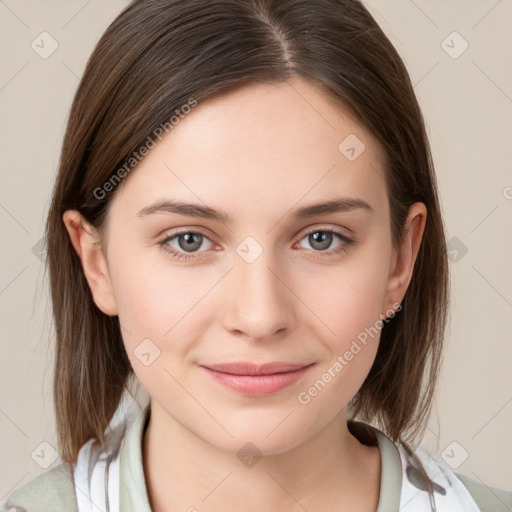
[404, 257]
[86, 243]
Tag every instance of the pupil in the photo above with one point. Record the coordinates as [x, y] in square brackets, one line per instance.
[322, 236]
[190, 240]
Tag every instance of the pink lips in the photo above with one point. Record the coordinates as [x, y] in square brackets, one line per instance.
[253, 379]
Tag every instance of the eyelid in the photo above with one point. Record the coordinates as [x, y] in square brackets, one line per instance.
[171, 233]
[315, 227]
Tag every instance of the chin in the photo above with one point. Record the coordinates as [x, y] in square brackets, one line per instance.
[257, 443]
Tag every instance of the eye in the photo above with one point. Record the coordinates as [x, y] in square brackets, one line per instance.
[321, 239]
[186, 241]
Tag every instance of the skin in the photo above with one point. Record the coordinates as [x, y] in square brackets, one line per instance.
[258, 152]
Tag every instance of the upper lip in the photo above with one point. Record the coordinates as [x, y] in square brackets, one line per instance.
[247, 368]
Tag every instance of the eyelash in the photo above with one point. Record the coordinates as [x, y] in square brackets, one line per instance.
[187, 256]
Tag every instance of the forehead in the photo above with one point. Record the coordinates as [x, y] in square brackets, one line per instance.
[259, 146]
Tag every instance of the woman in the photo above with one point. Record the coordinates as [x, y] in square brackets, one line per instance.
[246, 221]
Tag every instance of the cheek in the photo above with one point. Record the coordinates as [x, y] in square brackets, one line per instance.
[350, 297]
[161, 303]
[350, 308]
[349, 301]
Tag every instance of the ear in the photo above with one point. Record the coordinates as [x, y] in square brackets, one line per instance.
[404, 257]
[86, 243]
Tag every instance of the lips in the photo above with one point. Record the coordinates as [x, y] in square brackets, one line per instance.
[257, 379]
[246, 368]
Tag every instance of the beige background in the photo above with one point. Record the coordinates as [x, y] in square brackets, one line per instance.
[467, 103]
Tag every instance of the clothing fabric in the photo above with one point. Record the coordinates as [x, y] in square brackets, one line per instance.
[114, 480]
[97, 483]
[96, 474]
[449, 493]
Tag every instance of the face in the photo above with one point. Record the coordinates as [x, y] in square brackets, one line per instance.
[266, 285]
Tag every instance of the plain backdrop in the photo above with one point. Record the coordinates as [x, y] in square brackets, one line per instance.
[459, 55]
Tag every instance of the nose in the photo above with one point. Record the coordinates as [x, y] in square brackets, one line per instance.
[259, 302]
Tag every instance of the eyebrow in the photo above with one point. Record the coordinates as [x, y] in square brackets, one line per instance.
[336, 205]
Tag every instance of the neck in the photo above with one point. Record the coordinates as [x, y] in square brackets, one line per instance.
[331, 470]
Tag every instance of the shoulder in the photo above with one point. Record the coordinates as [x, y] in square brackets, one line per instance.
[488, 499]
[53, 489]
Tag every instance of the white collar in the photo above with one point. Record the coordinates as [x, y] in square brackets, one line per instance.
[96, 473]
[449, 492]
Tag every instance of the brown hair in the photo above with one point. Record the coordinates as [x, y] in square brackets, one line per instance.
[155, 57]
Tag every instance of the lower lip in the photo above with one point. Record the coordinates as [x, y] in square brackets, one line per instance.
[258, 384]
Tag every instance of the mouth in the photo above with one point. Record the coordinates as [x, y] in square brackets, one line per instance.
[252, 379]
